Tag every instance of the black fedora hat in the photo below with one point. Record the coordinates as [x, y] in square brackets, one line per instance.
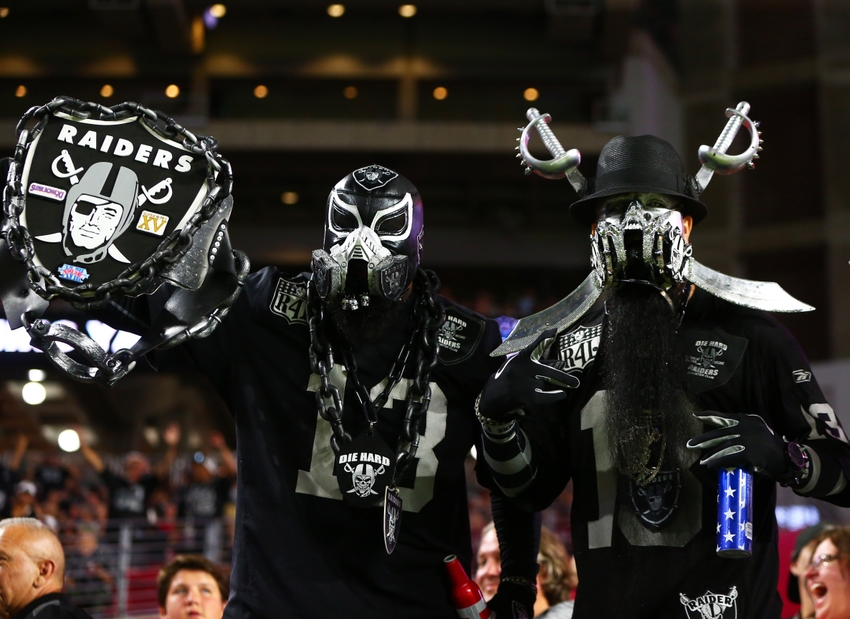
[645, 164]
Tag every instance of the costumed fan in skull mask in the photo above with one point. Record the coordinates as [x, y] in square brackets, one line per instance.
[642, 383]
[354, 415]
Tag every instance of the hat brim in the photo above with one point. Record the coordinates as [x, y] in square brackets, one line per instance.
[584, 210]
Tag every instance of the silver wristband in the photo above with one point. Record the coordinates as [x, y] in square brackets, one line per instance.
[494, 427]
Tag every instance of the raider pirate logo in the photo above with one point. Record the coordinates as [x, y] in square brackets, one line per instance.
[364, 468]
[656, 501]
[711, 605]
[102, 195]
[373, 176]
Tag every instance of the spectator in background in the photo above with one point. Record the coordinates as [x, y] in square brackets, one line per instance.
[50, 475]
[209, 485]
[32, 569]
[801, 557]
[129, 493]
[23, 501]
[828, 575]
[556, 579]
[208, 491]
[192, 586]
[9, 476]
[489, 562]
[88, 572]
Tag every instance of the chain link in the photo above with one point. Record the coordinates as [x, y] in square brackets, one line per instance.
[428, 317]
[431, 317]
[137, 278]
[321, 363]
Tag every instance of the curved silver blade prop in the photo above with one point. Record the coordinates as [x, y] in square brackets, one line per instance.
[102, 203]
[559, 316]
[715, 159]
[767, 296]
[565, 162]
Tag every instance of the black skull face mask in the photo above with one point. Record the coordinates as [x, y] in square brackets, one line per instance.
[639, 237]
[372, 245]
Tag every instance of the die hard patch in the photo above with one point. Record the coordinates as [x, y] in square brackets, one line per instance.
[459, 336]
[290, 301]
[579, 347]
[712, 357]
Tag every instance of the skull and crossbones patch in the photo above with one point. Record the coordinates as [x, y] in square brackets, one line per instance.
[364, 469]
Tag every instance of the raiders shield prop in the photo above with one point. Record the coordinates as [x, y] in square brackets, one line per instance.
[106, 202]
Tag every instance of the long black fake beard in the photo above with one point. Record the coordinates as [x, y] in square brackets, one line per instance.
[644, 373]
[366, 325]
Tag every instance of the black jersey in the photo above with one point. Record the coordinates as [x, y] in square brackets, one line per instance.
[301, 551]
[739, 361]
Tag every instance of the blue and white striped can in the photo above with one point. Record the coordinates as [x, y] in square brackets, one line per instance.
[735, 514]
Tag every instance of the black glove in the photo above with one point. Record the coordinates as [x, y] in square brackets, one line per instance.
[525, 379]
[741, 441]
[513, 601]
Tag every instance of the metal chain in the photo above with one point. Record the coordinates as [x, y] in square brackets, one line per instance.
[371, 407]
[328, 400]
[428, 317]
[431, 316]
[137, 278]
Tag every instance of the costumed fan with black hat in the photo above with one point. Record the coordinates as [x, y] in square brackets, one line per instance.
[643, 383]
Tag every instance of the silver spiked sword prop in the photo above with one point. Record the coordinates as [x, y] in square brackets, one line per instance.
[715, 159]
[768, 296]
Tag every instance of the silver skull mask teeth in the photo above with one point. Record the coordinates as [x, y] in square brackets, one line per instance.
[645, 244]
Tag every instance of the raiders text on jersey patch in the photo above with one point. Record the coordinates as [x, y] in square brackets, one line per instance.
[290, 301]
[459, 336]
[712, 357]
[713, 605]
[578, 348]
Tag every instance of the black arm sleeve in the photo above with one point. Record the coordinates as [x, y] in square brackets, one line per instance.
[519, 537]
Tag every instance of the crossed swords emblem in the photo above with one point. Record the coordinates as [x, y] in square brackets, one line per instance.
[71, 172]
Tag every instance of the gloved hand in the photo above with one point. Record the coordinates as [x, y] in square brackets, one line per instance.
[525, 379]
[741, 441]
[513, 601]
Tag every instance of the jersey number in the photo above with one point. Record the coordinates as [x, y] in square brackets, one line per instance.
[600, 532]
[319, 480]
